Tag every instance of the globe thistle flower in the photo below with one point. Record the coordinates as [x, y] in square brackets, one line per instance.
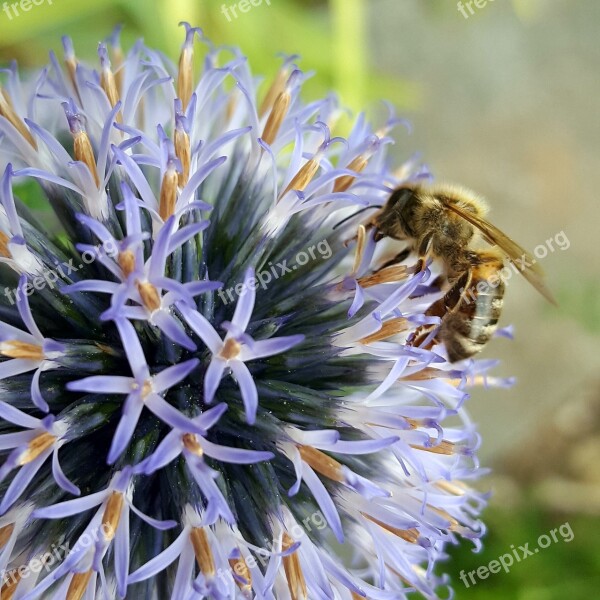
[207, 390]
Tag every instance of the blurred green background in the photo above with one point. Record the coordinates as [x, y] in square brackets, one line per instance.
[506, 102]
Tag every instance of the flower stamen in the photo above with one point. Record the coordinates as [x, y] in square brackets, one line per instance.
[203, 552]
[78, 585]
[303, 177]
[150, 296]
[408, 535]
[231, 349]
[18, 349]
[126, 260]
[12, 579]
[5, 533]
[357, 165]
[36, 446]
[293, 571]
[8, 112]
[322, 463]
[276, 88]
[240, 568]
[191, 443]
[168, 193]
[388, 329]
[4, 240]
[112, 515]
[273, 124]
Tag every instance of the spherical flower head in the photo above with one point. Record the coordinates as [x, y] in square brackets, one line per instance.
[209, 388]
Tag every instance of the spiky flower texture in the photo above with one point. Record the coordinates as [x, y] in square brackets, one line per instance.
[201, 395]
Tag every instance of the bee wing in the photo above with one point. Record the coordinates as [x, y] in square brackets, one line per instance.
[516, 254]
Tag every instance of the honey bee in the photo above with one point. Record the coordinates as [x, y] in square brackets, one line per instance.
[443, 222]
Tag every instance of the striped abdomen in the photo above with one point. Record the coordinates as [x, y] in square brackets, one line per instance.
[467, 328]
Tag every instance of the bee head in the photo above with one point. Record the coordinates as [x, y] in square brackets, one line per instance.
[395, 218]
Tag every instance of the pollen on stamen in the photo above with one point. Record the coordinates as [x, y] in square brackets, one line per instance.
[275, 89]
[70, 63]
[203, 552]
[453, 487]
[391, 274]
[183, 148]
[244, 577]
[4, 240]
[293, 571]
[231, 349]
[185, 76]
[150, 296]
[82, 146]
[273, 124]
[5, 533]
[303, 177]
[444, 447]
[12, 578]
[18, 349]
[191, 443]
[8, 112]
[78, 585]
[388, 329]
[168, 192]
[126, 260]
[112, 515]
[357, 165]
[36, 446]
[408, 535]
[322, 463]
[107, 77]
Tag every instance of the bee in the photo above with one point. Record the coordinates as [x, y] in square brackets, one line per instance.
[443, 222]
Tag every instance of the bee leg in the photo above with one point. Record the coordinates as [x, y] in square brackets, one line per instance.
[400, 257]
[424, 251]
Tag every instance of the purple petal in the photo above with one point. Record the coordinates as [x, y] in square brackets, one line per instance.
[212, 378]
[129, 419]
[36, 394]
[171, 376]
[18, 417]
[161, 561]
[21, 480]
[170, 415]
[25, 310]
[245, 303]
[133, 349]
[70, 507]
[248, 389]
[202, 327]
[234, 455]
[323, 499]
[61, 478]
[277, 345]
[122, 553]
[173, 330]
[167, 451]
[156, 523]
[97, 384]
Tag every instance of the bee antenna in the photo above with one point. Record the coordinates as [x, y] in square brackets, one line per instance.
[357, 213]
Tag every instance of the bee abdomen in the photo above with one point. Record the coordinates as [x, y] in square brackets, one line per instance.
[471, 326]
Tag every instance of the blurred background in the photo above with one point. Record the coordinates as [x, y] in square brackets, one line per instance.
[505, 101]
